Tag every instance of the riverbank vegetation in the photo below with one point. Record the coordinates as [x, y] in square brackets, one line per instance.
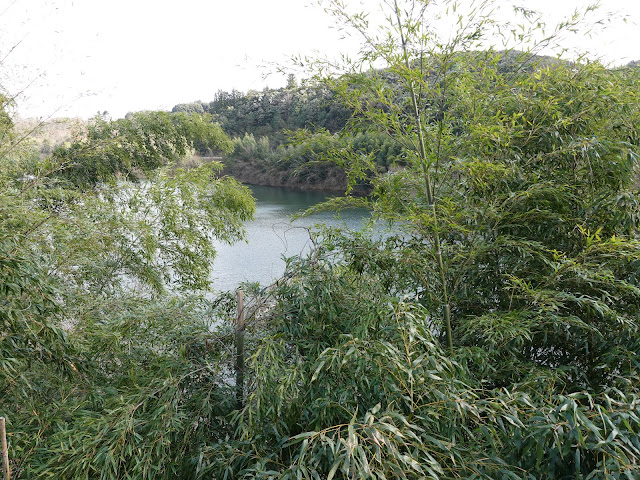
[267, 128]
[494, 335]
[94, 237]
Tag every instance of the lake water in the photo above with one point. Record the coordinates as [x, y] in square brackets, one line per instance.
[272, 235]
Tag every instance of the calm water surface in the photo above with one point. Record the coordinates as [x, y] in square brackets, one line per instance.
[272, 235]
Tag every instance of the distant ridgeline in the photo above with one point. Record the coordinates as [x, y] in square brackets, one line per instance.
[285, 136]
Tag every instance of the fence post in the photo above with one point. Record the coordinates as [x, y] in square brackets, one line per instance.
[239, 360]
[5, 449]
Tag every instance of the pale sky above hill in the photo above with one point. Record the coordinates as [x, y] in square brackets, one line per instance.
[78, 57]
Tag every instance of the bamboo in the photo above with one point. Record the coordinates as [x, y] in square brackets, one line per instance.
[239, 360]
[427, 180]
[5, 449]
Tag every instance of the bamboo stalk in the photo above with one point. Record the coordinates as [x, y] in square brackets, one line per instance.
[239, 360]
[427, 181]
[5, 449]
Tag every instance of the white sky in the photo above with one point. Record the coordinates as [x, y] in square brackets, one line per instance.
[78, 57]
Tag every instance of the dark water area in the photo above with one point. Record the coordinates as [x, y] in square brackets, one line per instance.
[273, 235]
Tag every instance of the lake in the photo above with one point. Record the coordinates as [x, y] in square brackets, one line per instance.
[272, 235]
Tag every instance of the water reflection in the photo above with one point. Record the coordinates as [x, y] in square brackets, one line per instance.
[272, 235]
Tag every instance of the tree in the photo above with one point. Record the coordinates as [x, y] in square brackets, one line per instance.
[137, 145]
[496, 335]
[105, 248]
[291, 81]
[506, 169]
[156, 220]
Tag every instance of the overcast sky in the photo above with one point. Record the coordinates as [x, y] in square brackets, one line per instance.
[79, 57]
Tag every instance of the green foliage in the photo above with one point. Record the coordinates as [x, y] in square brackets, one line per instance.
[495, 334]
[192, 107]
[506, 176]
[352, 383]
[153, 397]
[137, 145]
[30, 333]
[6, 123]
[270, 112]
[88, 348]
[310, 158]
[151, 233]
[248, 148]
[492, 334]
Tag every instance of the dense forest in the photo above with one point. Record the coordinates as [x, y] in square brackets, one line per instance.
[269, 129]
[261, 125]
[493, 335]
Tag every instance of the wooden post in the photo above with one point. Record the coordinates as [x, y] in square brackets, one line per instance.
[5, 449]
[239, 360]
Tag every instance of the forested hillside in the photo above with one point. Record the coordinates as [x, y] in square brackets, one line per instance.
[270, 112]
[268, 128]
[259, 122]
